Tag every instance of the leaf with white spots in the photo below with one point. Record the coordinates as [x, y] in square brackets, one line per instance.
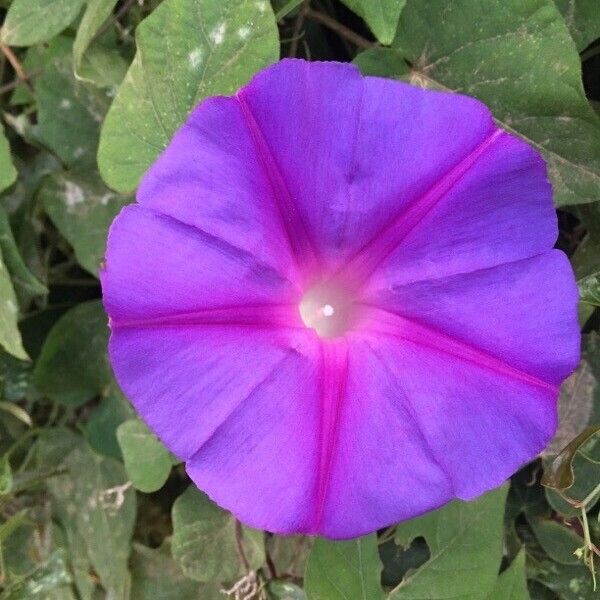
[96, 501]
[186, 50]
[10, 337]
[516, 56]
[82, 208]
[69, 113]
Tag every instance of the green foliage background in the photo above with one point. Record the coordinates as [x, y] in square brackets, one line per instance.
[91, 504]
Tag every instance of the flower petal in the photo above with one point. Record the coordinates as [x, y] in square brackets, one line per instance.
[381, 469]
[353, 151]
[523, 313]
[262, 464]
[191, 383]
[157, 266]
[478, 425]
[210, 177]
[499, 210]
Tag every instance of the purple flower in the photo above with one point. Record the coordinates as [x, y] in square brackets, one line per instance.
[337, 301]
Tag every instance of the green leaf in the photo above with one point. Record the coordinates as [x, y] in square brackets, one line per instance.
[465, 541]
[204, 540]
[94, 497]
[101, 427]
[6, 479]
[156, 576]
[8, 173]
[147, 462]
[516, 56]
[82, 208]
[186, 50]
[380, 15]
[73, 365]
[22, 277]
[31, 21]
[69, 113]
[10, 338]
[512, 584]
[96, 13]
[557, 541]
[583, 20]
[347, 570]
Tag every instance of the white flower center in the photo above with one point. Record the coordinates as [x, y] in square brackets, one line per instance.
[327, 309]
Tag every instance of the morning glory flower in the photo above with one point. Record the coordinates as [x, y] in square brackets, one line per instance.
[336, 299]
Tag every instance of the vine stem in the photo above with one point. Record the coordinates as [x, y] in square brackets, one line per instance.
[240, 547]
[17, 66]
